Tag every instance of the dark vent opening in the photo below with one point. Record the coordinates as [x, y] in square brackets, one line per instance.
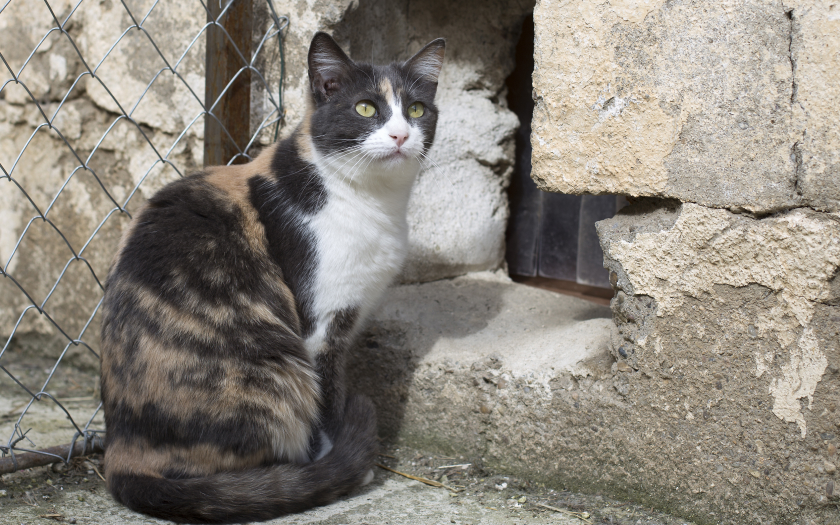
[551, 237]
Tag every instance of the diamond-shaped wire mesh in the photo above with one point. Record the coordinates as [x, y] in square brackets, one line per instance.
[101, 104]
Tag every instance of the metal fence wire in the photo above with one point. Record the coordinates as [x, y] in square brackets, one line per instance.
[60, 171]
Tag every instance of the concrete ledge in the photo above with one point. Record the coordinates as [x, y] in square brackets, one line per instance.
[522, 380]
[471, 344]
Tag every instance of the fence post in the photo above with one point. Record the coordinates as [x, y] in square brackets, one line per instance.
[228, 133]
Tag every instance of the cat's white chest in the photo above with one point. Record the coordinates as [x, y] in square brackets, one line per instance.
[361, 242]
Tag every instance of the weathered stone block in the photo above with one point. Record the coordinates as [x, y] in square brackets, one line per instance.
[725, 104]
[815, 52]
[720, 258]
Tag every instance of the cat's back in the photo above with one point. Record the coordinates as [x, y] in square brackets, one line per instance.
[207, 214]
[200, 335]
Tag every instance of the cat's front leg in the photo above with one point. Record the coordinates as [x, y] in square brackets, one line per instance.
[329, 352]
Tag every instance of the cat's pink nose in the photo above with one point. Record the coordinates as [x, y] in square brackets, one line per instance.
[399, 138]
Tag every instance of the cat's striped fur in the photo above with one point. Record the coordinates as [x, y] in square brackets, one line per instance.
[236, 292]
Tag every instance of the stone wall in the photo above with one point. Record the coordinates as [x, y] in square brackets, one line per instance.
[729, 105]
[43, 150]
[722, 116]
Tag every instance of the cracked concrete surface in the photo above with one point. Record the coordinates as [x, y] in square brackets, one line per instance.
[794, 256]
[733, 322]
[815, 51]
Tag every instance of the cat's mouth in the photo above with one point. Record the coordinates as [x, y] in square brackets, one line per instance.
[394, 157]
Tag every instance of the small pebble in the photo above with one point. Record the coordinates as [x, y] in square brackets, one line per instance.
[503, 486]
[2, 493]
[71, 520]
[523, 499]
[830, 468]
[624, 367]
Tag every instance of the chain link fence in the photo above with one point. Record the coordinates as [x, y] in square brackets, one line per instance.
[102, 103]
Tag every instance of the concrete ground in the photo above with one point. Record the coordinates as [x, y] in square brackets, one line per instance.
[75, 494]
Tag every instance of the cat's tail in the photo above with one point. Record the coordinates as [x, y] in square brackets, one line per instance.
[261, 493]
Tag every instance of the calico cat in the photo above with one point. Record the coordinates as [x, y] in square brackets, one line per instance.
[236, 293]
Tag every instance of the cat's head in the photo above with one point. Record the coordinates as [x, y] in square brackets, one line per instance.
[383, 114]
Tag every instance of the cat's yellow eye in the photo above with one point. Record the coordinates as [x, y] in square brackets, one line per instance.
[416, 110]
[365, 108]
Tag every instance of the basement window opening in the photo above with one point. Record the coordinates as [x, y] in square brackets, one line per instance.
[551, 240]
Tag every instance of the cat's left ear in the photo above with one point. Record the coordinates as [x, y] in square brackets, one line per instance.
[329, 66]
[427, 62]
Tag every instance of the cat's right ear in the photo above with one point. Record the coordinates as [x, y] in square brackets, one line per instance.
[329, 66]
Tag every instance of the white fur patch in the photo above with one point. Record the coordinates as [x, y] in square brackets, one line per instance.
[361, 233]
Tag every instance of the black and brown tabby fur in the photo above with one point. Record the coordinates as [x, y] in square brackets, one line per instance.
[216, 409]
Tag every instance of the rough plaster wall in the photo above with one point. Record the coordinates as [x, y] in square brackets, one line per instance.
[794, 256]
[120, 161]
[730, 326]
[473, 152]
[726, 104]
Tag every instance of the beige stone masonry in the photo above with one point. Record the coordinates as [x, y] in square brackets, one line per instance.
[816, 54]
[727, 104]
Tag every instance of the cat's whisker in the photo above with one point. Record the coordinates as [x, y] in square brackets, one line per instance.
[365, 167]
[345, 159]
[433, 163]
[413, 83]
[349, 158]
[353, 171]
[333, 139]
[352, 168]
